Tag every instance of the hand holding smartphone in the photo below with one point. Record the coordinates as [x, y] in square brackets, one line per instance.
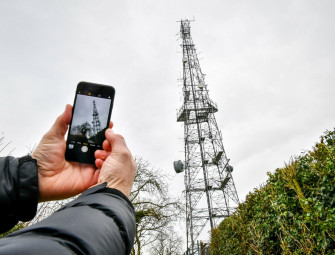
[91, 114]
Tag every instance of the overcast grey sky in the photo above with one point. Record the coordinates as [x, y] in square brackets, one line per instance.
[269, 66]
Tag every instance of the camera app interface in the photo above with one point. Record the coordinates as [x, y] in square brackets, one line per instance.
[89, 122]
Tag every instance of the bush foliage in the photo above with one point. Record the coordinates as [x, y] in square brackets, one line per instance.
[292, 213]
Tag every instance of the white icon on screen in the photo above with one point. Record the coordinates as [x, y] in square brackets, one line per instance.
[84, 149]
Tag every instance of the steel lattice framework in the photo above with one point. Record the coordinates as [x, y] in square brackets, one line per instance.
[209, 187]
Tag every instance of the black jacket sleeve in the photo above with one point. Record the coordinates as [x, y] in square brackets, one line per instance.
[18, 191]
[100, 221]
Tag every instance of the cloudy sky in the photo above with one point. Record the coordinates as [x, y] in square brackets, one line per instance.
[269, 66]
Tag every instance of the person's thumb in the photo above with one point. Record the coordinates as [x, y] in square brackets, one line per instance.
[61, 124]
[116, 141]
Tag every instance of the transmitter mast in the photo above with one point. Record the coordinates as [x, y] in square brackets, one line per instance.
[209, 186]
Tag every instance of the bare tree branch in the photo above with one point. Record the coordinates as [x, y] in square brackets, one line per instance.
[156, 210]
[5, 145]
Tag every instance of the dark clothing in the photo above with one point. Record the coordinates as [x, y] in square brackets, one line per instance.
[18, 191]
[100, 221]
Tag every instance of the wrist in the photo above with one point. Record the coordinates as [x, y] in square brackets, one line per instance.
[124, 190]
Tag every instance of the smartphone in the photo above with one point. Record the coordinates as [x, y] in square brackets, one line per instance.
[91, 114]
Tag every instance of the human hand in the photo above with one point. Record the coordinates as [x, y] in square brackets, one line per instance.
[116, 165]
[58, 178]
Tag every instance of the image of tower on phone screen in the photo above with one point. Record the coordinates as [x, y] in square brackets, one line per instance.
[89, 120]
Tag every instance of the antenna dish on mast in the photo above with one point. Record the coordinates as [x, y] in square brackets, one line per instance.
[178, 166]
[201, 85]
[230, 168]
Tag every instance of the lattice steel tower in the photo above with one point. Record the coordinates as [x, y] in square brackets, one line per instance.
[209, 187]
[96, 121]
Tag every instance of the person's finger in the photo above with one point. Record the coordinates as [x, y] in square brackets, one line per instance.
[106, 145]
[101, 154]
[61, 124]
[111, 124]
[99, 162]
[67, 114]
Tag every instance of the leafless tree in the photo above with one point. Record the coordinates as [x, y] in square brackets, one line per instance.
[155, 209]
[5, 149]
[167, 243]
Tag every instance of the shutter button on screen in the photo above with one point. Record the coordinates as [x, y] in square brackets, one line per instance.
[84, 148]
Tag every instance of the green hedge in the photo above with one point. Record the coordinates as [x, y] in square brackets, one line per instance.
[292, 213]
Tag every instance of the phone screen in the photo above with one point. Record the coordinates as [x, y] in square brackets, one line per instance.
[90, 119]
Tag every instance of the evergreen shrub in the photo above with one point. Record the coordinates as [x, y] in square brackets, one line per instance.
[292, 213]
